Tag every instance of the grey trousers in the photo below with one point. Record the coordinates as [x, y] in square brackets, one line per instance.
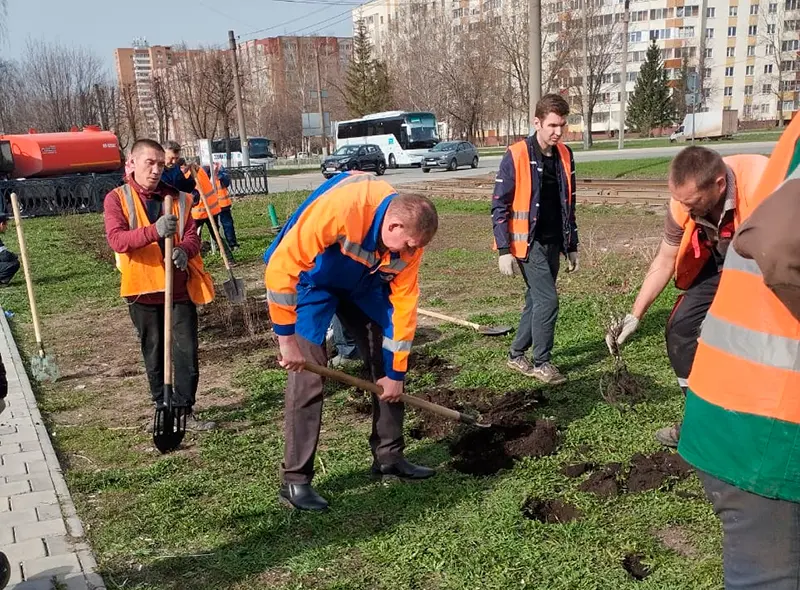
[303, 413]
[760, 537]
[537, 326]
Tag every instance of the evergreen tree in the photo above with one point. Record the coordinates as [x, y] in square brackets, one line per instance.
[367, 88]
[651, 105]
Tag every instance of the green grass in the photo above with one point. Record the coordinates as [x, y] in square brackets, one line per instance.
[654, 142]
[209, 518]
[291, 171]
[647, 168]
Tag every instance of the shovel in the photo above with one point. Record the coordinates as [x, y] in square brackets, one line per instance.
[234, 288]
[485, 330]
[408, 399]
[43, 365]
[169, 423]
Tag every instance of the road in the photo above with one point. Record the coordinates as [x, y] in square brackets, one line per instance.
[311, 180]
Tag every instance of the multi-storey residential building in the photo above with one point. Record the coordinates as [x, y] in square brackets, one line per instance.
[750, 57]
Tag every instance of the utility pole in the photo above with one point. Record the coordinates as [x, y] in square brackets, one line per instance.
[237, 88]
[587, 133]
[321, 112]
[534, 59]
[623, 94]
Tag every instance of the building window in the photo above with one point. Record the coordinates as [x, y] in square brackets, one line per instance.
[751, 50]
[632, 76]
[711, 12]
[729, 91]
[754, 9]
[792, 45]
[634, 37]
[749, 70]
[788, 105]
[773, 7]
[729, 71]
[771, 29]
[733, 11]
[731, 31]
[709, 52]
[686, 11]
[748, 110]
[730, 52]
[768, 69]
[792, 4]
[707, 73]
[685, 32]
[752, 30]
[764, 109]
[748, 90]
[766, 89]
[709, 33]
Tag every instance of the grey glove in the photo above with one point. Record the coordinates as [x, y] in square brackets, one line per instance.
[507, 264]
[167, 225]
[179, 259]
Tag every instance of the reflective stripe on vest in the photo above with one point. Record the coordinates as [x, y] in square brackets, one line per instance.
[282, 298]
[396, 345]
[519, 222]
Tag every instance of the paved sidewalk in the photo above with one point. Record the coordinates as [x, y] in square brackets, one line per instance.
[39, 529]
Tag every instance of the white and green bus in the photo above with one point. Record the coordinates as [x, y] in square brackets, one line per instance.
[402, 136]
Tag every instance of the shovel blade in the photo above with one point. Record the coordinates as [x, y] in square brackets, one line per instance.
[495, 330]
[234, 290]
[44, 368]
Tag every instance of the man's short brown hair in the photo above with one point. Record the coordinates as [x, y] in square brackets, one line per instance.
[551, 103]
[696, 163]
[420, 214]
[172, 146]
[140, 144]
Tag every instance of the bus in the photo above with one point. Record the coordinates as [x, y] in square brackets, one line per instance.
[402, 136]
[260, 151]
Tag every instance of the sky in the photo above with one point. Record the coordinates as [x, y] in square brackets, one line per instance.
[104, 25]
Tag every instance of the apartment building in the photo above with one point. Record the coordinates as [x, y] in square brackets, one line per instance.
[751, 54]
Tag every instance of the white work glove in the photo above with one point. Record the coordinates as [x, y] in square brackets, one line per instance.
[179, 258]
[572, 262]
[507, 264]
[622, 329]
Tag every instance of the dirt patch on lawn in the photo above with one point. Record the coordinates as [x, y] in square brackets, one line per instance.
[549, 511]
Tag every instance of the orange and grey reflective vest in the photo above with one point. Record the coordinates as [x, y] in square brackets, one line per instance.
[694, 253]
[513, 228]
[142, 270]
[205, 187]
[223, 196]
[742, 419]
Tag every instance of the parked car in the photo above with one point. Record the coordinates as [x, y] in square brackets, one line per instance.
[450, 155]
[355, 157]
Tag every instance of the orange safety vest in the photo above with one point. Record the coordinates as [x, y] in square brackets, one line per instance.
[142, 270]
[223, 197]
[520, 227]
[692, 255]
[205, 187]
[742, 421]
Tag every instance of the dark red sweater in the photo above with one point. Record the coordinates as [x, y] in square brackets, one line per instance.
[123, 239]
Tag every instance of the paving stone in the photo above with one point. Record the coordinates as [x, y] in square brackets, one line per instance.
[12, 489]
[30, 549]
[19, 517]
[41, 483]
[48, 512]
[47, 567]
[45, 528]
[33, 499]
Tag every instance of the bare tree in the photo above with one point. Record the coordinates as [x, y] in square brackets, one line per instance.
[162, 105]
[598, 44]
[779, 37]
[191, 86]
[130, 116]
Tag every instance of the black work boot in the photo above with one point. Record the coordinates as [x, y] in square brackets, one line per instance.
[402, 469]
[302, 497]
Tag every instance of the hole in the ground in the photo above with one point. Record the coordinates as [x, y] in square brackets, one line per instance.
[549, 511]
[633, 564]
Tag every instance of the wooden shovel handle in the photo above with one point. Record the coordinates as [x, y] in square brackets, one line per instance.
[213, 223]
[377, 390]
[168, 287]
[23, 250]
[447, 318]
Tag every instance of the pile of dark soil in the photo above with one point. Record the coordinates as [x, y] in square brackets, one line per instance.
[549, 511]
[645, 473]
[485, 451]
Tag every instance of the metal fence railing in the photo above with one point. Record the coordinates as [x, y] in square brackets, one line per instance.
[248, 180]
[41, 197]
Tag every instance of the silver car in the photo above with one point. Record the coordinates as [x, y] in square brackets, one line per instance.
[450, 155]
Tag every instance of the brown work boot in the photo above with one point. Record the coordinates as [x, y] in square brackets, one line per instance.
[549, 373]
[521, 364]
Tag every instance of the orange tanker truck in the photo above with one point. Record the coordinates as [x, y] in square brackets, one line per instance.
[60, 172]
